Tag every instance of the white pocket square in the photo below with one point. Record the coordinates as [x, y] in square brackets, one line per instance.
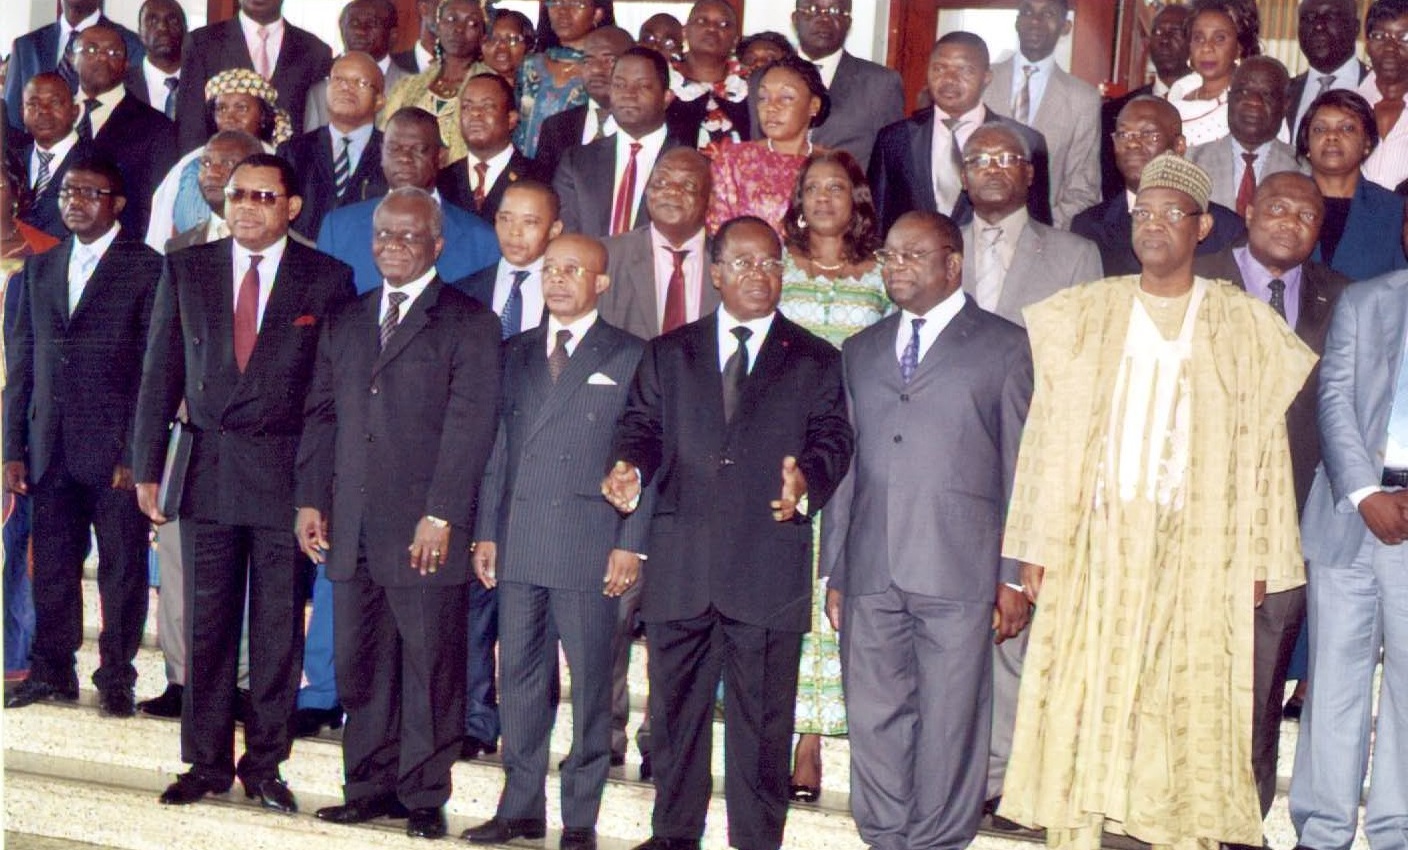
[599, 379]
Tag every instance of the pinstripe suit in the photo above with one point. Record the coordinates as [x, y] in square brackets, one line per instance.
[553, 443]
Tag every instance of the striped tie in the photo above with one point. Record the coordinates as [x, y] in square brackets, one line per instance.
[85, 124]
[392, 317]
[41, 180]
[170, 106]
[342, 167]
[511, 319]
[1022, 104]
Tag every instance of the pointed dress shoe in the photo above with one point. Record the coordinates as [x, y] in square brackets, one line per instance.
[166, 705]
[190, 787]
[117, 701]
[426, 823]
[31, 691]
[365, 809]
[658, 843]
[308, 722]
[272, 793]
[472, 747]
[499, 830]
[578, 838]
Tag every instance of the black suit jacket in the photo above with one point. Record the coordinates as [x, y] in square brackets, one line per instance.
[246, 425]
[1109, 226]
[480, 285]
[43, 211]
[136, 83]
[396, 434]
[72, 384]
[38, 51]
[303, 60]
[456, 187]
[1320, 287]
[713, 541]
[558, 134]
[902, 175]
[1297, 91]
[585, 183]
[141, 142]
[311, 156]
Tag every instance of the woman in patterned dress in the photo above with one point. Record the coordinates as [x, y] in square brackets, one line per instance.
[459, 27]
[711, 88]
[551, 81]
[831, 286]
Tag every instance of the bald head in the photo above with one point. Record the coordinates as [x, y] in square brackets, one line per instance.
[574, 276]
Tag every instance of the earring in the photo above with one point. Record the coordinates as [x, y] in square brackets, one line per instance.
[801, 222]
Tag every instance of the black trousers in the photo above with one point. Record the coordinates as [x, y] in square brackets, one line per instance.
[1278, 625]
[64, 510]
[221, 564]
[759, 671]
[400, 661]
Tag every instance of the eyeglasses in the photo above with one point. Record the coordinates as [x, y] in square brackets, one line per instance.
[405, 238]
[350, 82]
[258, 197]
[661, 186]
[1172, 215]
[227, 164]
[509, 40]
[742, 265]
[574, 271]
[815, 11]
[987, 160]
[95, 50]
[469, 22]
[657, 41]
[83, 193]
[1384, 35]
[722, 24]
[571, 5]
[1124, 137]
[892, 257]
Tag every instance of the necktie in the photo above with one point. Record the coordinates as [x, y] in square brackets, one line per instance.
[247, 313]
[170, 106]
[625, 195]
[735, 371]
[1278, 297]
[1022, 104]
[342, 167]
[557, 361]
[1325, 80]
[66, 69]
[991, 273]
[481, 174]
[392, 317]
[511, 319]
[947, 184]
[84, 263]
[674, 294]
[85, 124]
[909, 361]
[41, 180]
[1246, 190]
[602, 113]
[261, 54]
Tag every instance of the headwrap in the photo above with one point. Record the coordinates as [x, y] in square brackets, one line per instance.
[245, 81]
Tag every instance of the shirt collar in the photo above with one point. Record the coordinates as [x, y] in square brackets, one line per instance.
[60, 148]
[759, 326]
[974, 116]
[655, 137]
[152, 72]
[1260, 150]
[272, 255]
[65, 29]
[939, 315]
[497, 161]
[250, 26]
[108, 99]
[423, 57]
[1011, 223]
[359, 136]
[98, 247]
[533, 268]
[578, 328]
[411, 290]
[1254, 273]
[384, 63]
[694, 244]
[1044, 67]
[827, 66]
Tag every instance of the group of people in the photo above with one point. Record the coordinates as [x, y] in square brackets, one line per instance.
[1033, 442]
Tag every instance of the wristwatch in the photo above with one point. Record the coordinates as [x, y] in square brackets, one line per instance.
[437, 521]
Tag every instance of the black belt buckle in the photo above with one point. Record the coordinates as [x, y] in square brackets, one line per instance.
[1394, 477]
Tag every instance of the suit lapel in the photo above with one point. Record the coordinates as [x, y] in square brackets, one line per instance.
[1314, 304]
[767, 372]
[702, 362]
[600, 194]
[952, 335]
[111, 260]
[1026, 265]
[642, 267]
[921, 151]
[218, 290]
[416, 318]
[585, 359]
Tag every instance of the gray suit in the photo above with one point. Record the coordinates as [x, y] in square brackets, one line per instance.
[632, 302]
[315, 115]
[1216, 158]
[864, 97]
[1357, 597]
[912, 541]
[1047, 260]
[1069, 117]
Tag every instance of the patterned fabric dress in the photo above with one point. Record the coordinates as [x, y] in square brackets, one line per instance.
[752, 179]
[833, 310]
[415, 91]
[540, 97]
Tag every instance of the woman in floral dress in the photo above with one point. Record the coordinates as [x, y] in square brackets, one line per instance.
[711, 89]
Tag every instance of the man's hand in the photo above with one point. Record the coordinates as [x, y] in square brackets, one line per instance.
[622, 571]
[122, 478]
[1011, 613]
[15, 475]
[147, 495]
[794, 487]
[833, 608]
[1384, 516]
[621, 487]
[1032, 577]
[429, 547]
[311, 529]
[486, 561]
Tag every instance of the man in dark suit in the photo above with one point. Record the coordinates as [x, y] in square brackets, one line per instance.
[154, 79]
[528, 219]
[1283, 227]
[909, 171]
[49, 49]
[1168, 53]
[582, 125]
[340, 163]
[912, 542]
[1147, 127]
[640, 85]
[1326, 32]
[75, 364]
[291, 59]
[139, 140]
[564, 387]
[49, 116]
[739, 420]
[488, 116]
[234, 333]
[430, 355]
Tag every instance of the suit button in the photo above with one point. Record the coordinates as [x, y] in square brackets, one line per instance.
[725, 461]
[556, 503]
[371, 439]
[565, 458]
[591, 417]
[376, 390]
[221, 431]
[904, 396]
[899, 439]
[195, 340]
[200, 385]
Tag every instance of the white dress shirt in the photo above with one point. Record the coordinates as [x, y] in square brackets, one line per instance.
[423, 57]
[694, 273]
[578, 330]
[1388, 164]
[359, 137]
[728, 343]
[216, 228]
[650, 145]
[589, 127]
[531, 290]
[155, 79]
[268, 270]
[1044, 69]
[77, 274]
[65, 31]
[107, 102]
[1345, 76]
[935, 321]
[497, 164]
[826, 66]
[946, 179]
[250, 28]
[60, 150]
[411, 290]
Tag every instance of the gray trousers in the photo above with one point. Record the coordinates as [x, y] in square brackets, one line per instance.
[171, 610]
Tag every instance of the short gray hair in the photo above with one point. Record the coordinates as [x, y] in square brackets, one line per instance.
[437, 216]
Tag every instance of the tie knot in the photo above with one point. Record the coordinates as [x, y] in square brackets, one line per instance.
[1326, 80]
[45, 157]
[518, 277]
[346, 142]
[563, 336]
[1029, 70]
[917, 324]
[89, 103]
[396, 299]
[635, 148]
[481, 168]
[742, 333]
[1278, 286]
[991, 234]
[254, 260]
[172, 82]
[678, 256]
[1249, 157]
[952, 123]
[263, 32]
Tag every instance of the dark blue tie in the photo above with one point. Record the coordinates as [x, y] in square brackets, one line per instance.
[170, 106]
[909, 361]
[511, 319]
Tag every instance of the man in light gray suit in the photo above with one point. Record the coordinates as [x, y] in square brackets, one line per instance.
[565, 384]
[1352, 530]
[1256, 111]
[911, 542]
[1033, 90]
[366, 26]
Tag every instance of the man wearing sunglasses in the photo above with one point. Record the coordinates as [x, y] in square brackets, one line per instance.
[234, 332]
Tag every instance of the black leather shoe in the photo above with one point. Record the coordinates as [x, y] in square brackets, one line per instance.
[658, 843]
[498, 830]
[578, 838]
[426, 823]
[1292, 709]
[361, 811]
[618, 759]
[473, 747]
[645, 771]
[189, 788]
[31, 691]
[117, 702]
[308, 722]
[272, 793]
[166, 705]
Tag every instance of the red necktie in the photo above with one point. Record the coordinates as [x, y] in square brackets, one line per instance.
[481, 170]
[247, 313]
[625, 195]
[674, 294]
[1247, 189]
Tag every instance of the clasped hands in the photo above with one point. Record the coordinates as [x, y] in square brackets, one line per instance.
[621, 487]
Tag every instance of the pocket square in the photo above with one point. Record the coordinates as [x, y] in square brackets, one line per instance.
[305, 321]
[599, 379]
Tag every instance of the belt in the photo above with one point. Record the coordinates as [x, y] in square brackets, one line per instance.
[1395, 477]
